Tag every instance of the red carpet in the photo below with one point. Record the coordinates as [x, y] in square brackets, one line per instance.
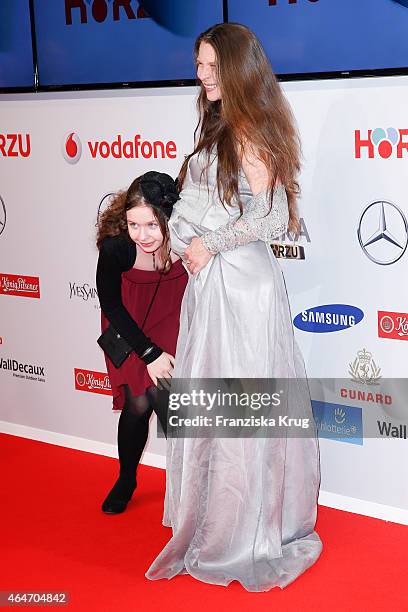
[55, 538]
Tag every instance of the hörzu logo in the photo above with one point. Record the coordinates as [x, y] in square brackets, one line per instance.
[23, 370]
[288, 246]
[381, 142]
[383, 232]
[328, 318]
[72, 148]
[24, 286]
[15, 145]
[3, 215]
[99, 10]
[92, 382]
[393, 325]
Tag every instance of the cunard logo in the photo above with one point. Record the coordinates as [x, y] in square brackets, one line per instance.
[364, 370]
[92, 382]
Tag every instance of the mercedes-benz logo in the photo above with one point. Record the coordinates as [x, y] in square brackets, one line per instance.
[383, 232]
[2, 215]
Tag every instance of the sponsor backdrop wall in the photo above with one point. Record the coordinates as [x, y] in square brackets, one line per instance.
[60, 157]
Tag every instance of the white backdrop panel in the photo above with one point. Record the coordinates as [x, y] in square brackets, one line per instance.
[51, 212]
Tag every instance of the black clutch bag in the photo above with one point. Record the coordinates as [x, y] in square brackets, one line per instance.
[116, 347]
[112, 343]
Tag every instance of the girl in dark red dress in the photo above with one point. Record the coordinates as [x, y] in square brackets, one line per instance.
[140, 285]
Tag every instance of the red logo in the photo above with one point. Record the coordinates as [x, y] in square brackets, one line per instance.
[15, 145]
[133, 149]
[393, 325]
[366, 396]
[100, 11]
[93, 382]
[380, 142]
[119, 148]
[72, 148]
[25, 286]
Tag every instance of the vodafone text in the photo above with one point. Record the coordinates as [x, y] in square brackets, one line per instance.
[135, 148]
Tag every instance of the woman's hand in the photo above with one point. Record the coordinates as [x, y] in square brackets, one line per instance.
[162, 367]
[196, 256]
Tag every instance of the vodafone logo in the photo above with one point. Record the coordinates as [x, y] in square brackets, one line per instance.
[118, 147]
[72, 148]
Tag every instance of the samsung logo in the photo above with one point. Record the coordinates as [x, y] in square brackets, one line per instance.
[328, 318]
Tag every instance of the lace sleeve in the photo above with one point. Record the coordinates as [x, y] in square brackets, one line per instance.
[256, 223]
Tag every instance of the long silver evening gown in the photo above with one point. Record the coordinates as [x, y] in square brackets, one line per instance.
[240, 509]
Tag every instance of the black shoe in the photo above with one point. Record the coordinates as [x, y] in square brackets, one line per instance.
[119, 496]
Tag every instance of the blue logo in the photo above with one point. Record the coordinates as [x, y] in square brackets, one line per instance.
[328, 318]
[338, 422]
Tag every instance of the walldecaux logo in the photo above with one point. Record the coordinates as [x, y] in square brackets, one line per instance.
[120, 147]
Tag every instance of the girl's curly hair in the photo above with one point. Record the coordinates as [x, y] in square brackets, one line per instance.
[113, 222]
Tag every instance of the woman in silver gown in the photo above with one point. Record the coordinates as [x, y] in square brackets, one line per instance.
[240, 509]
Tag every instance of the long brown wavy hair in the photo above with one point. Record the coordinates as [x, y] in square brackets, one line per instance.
[252, 111]
[113, 222]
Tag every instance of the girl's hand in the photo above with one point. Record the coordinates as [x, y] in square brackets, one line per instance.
[162, 367]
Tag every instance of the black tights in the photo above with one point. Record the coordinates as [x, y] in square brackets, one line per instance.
[133, 431]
